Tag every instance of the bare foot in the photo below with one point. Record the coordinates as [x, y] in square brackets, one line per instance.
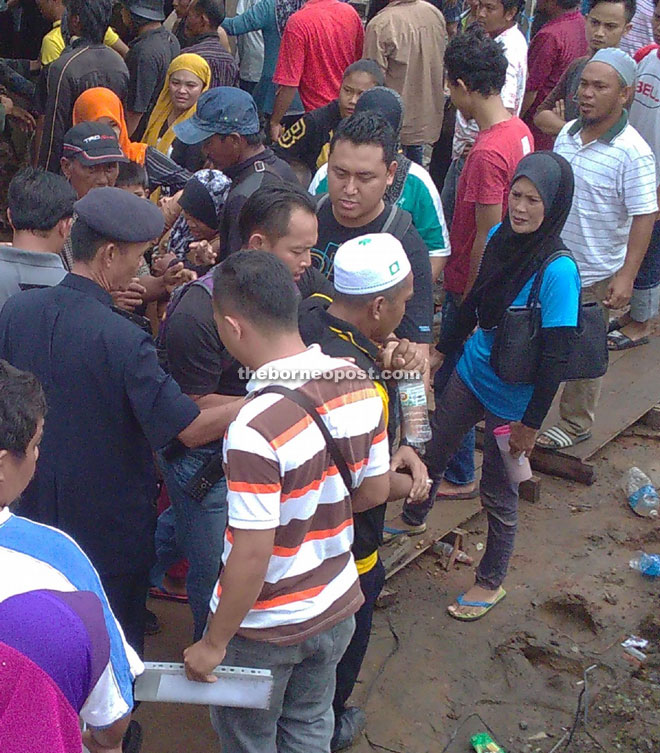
[476, 594]
[447, 489]
[637, 330]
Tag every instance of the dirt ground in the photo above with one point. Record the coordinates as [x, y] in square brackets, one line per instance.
[572, 599]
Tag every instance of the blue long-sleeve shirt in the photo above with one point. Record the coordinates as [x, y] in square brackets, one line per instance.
[261, 17]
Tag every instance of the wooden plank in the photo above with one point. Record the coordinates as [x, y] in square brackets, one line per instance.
[630, 390]
[443, 518]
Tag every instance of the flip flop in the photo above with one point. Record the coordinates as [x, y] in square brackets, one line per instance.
[616, 340]
[389, 532]
[161, 593]
[557, 439]
[486, 606]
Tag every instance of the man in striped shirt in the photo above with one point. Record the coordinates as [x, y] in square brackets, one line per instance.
[289, 588]
[614, 206]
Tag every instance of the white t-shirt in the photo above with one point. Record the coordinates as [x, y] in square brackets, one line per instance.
[645, 109]
[641, 33]
[250, 47]
[615, 180]
[513, 91]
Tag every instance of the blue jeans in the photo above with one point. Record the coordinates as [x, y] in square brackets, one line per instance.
[300, 717]
[200, 530]
[415, 152]
[460, 469]
[457, 411]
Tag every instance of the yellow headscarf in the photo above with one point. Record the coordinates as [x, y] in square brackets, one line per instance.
[163, 108]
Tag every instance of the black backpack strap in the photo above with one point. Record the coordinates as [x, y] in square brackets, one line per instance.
[398, 223]
[308, 406]
[322, 199]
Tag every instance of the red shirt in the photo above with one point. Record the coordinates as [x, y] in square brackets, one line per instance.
[320, 41]
[552, 49]
[485, 179]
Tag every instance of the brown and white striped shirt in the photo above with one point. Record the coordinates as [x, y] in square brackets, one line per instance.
[280, 475]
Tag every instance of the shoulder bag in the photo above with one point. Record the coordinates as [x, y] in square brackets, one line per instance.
[516, 352]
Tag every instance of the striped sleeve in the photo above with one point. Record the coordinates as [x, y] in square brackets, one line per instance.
[379, 453]
[426, 210]
[639, 185]
[254, 485]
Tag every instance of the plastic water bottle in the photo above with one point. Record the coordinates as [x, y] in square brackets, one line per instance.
[642, 496]
[414, 411]
[647, 564]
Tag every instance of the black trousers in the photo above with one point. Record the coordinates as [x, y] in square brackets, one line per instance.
[348, 669]
[127, 595]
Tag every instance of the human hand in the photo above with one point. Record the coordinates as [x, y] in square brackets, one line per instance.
[130, 297]
[176, 275]
[406, 457]
[202, 254]
[276, 130]
[522, 439]
[201, 659]
[437, 359]
[25, 120]
[404, 355]
[467, 148]
[619, 291]
[170, 208]
[7, 103]
[560, 109]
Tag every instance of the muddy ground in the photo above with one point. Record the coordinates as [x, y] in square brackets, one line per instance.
[572, 599]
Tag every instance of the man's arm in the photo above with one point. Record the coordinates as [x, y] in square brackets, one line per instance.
[621, 286]
[283, 99]
[241, 582]
[552, 121]
[210, 424]
[438, 263]
[528, 101]
[541, 57]
[120, 47]
[107, 740]
[373, 491]
[486, 216]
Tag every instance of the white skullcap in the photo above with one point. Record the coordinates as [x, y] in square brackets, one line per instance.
[369, 264]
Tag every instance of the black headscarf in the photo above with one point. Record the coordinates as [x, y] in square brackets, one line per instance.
[511, 258]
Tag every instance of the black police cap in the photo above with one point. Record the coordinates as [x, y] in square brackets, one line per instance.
[120, 215]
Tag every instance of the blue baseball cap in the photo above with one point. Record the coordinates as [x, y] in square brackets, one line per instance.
[223, 110]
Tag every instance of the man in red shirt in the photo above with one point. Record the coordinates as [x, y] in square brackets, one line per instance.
[476, 60]
[552, 49]
[320, 41]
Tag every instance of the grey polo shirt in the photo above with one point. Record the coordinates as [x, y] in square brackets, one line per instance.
[22, 270]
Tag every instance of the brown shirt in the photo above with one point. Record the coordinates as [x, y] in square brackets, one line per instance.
[408, 39]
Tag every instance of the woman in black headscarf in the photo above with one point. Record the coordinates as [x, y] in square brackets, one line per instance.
[539, 202]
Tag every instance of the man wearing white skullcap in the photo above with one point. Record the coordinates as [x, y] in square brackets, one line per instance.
[614, 205]
[373, 281]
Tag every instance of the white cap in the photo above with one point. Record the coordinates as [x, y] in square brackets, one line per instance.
[369, 264]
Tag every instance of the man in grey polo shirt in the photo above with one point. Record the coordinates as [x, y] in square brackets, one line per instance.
[614, 206]
[40, 212]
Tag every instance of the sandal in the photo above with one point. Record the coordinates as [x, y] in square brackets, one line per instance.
[616, 340]
[390, 532]
[161, 593]
[557, 439]
[484, 606]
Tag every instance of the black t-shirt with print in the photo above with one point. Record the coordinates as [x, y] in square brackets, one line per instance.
[417, 321]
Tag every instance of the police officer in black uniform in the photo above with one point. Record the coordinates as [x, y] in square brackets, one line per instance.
[109, 402]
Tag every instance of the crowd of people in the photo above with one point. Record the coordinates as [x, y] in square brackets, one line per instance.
[230, 244]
